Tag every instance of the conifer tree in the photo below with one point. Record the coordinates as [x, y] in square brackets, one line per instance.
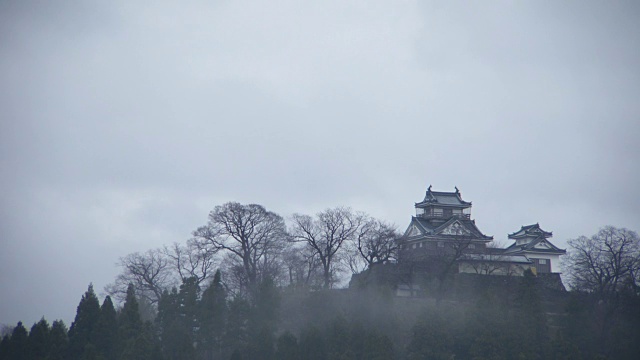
[19, 343]
[188, 299]
[168, 310]
[212, 314]
[106, 330]
[236, 334]
[175, 339]
[4, 347]
[178, 320]
[81, 331]
[135, 342]
[263, 319]
[40, 340]
[59, 341]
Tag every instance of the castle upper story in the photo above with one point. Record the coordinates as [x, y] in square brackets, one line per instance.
[443, 219]
[440, 206]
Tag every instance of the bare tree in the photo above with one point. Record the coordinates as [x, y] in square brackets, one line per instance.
[302, 265]
[604, 263]
[326, 234]
[377, 242]
[249, 233]
[193, 260]
[149, 272]
[492, 261]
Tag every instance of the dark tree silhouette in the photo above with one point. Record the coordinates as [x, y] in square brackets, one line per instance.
[150, 273]
[251, 235]
[606, 262]
[106, 331]
[59, 341]
[40, 340]
[326, 234]
[81, 332]
[213, 313]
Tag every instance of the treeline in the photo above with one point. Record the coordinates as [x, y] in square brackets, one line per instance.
[250, 244]
[98, 332]
[249, 286]
[359, 324]
[192, 324]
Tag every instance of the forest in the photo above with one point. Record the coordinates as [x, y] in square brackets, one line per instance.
[250, 285]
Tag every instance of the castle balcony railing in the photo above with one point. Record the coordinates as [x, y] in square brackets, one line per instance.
[445, 215]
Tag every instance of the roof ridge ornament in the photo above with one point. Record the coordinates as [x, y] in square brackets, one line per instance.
[457, 191]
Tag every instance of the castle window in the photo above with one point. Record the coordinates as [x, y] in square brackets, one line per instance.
[472, 246]
[542, 261]
[440, 244]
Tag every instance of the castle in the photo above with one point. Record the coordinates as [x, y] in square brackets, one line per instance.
[443, 228]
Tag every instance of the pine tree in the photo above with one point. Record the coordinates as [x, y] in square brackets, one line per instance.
[236, 334]
[19, 343]
[263, 319]
[178, 320]
[59, 341]
[168, 310]
[81, 331]
[4, 347]
[135, 342]
[40, 340]
[188, 298]
[212, 314]
[106, 331]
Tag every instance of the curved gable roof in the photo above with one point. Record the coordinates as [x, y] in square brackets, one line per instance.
[428, 229]
[443, 198]
[533, 246]
[530, 231]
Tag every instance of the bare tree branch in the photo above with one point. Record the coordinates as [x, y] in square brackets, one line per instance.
[606, 263]
[325, 235]
[250, 233]
[149, 272]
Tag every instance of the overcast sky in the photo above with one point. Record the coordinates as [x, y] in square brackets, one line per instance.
[122, 125]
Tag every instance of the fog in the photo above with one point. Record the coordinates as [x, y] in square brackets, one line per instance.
[122, 125]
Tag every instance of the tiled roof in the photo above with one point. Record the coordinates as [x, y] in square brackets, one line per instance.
[443, 198]
[530, 230]
[469, 225]
[530, 247]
